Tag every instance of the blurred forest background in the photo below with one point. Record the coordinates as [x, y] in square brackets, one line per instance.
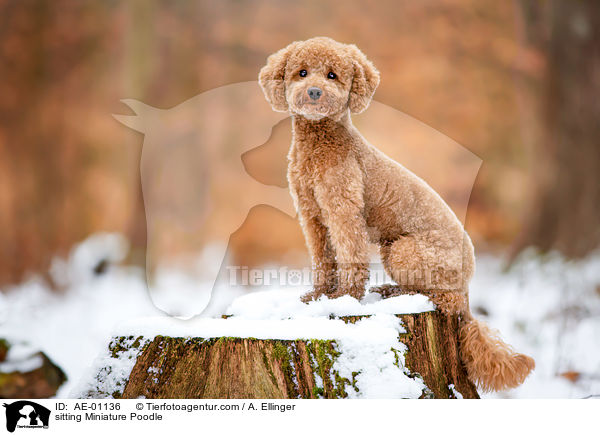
[515, 82]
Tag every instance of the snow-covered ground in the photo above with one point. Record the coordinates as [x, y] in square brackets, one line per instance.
[549, 309]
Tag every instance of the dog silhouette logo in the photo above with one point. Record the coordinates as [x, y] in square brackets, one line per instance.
[26, 414]
[191, 159]
[198, 190]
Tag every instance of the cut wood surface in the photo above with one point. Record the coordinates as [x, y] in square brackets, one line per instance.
[230, 367]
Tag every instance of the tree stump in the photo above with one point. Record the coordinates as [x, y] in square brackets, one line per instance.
[34, 377]
[230, 367]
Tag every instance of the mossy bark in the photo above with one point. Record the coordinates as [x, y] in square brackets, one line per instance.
[171, 367]
[433, 352]
[228, 368]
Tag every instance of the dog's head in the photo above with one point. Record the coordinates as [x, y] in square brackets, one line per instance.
[319, 78]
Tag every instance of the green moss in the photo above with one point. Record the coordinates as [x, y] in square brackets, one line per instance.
[325, 355]
[122, 344]
[427, 393]
[224, 340]
[137, 342]
[397, 353]
[119, 345]
[353, 319]
[280, 352]
[353, 382]
[339, 389]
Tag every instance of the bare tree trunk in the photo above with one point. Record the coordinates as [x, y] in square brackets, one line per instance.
[565, 208]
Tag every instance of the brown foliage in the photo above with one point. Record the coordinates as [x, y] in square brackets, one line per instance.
[67, 169]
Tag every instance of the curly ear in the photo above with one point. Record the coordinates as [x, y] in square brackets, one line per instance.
[271, 78]
[364, 82]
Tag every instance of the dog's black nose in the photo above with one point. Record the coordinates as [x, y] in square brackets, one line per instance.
[314, 93]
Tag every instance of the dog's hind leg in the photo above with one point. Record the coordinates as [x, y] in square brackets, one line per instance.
[441, 271]
[433, 265]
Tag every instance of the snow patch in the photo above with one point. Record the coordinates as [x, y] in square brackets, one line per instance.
[373, 357]
[110, 371]
[21, 357]
[456, 393]
[283, 304]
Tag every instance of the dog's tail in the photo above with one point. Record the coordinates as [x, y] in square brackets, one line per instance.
[491, 364]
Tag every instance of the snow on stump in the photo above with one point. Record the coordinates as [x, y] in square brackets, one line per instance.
[272, 346]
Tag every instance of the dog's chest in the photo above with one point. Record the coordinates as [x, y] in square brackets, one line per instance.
[309, 162]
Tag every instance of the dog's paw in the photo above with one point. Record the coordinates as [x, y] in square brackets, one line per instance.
[389, 290]
[317, 293]
[356, 292]
[308, 297]
[311, 296]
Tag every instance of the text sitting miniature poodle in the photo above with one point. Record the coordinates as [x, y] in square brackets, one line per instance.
[348, 194]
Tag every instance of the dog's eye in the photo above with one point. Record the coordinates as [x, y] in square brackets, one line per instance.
[302, 73]
[331, 75]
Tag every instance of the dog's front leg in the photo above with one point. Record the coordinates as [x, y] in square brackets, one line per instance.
[340, 196]
[317, 240]
[322, 257]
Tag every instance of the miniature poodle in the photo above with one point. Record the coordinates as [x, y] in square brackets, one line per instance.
[349, 194]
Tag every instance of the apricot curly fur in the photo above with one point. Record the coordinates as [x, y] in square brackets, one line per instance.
[491, 364]
[348, 193]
